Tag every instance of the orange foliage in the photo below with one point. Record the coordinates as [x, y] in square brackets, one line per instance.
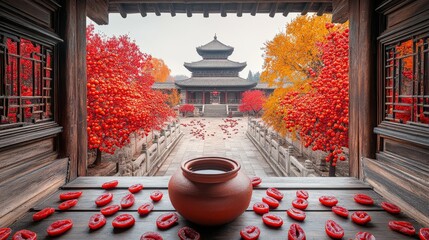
[160, 70]
[173, 98]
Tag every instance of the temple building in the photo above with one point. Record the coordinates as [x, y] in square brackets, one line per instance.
[215, 79]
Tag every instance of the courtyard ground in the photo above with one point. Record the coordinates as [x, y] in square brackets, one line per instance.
[223, 137]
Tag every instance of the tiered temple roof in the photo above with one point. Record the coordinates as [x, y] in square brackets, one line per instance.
[215, 69]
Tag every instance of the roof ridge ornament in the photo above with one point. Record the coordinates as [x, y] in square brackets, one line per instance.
[215, 37]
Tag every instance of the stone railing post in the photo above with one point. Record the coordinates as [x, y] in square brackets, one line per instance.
[308, 165]
[144, 151]
[289, 154]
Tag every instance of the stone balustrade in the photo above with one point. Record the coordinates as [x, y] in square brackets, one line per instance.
[153, 153]
[278, 156]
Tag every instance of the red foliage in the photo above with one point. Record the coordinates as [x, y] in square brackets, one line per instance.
[186, 108]
[29, 86]
[252, 101]
[321, 115]
[120, 99]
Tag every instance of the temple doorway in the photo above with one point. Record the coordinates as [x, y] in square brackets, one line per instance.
[215, 97]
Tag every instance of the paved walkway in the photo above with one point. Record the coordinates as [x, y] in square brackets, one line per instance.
[223, 137]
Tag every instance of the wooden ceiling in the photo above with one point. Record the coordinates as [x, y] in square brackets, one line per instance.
[98, 9]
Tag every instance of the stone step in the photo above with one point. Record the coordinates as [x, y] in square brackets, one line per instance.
[215, 110]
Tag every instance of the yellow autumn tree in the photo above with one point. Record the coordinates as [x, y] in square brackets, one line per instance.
[291, 53]
[160, 70]
[288, 58]
[173, 98]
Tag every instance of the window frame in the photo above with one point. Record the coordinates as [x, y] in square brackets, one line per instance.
[41, 130]
[412, 133]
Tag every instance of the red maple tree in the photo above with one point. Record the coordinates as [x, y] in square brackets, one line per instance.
[252, 102]
[186, 108]
[321, 115]
[120, 99]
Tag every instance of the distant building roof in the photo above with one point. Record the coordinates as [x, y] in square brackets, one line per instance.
[215, 82]
[264, 86]
[215, 63]
[164, 85]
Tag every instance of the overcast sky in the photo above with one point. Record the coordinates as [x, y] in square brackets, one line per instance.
[174, 39]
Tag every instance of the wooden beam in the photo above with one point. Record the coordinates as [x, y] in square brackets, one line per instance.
[82, 134]
[322, 9]
[306, 8]
[340, 11]
[222, 10]
[287, 10]
[214, 1]
[98, 11]
[156, 9]
[206, 11]
[239, 9]
[172, 10]
[273, 9]
[142, 10]
[254, 9]
[188, 10]
[121, 10]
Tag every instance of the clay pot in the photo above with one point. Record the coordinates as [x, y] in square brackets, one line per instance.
[210, 190]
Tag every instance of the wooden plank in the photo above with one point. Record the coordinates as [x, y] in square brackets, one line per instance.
[313, 226]
[400, 188]
[15, 156]
[345, 198]
[340, 11]
[82, 135]
[16, 172]
[36, 184]
[98, 11]
[279, 182]
[406, 12]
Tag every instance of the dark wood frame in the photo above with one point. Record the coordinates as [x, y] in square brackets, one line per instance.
[400, 176]
[67, 23]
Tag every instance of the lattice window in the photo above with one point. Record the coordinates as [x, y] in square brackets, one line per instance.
[26, 82]
[406, 81]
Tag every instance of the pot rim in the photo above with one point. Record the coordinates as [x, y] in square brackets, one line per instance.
[218, 163]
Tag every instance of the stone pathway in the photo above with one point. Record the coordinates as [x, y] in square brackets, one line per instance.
[223, 137]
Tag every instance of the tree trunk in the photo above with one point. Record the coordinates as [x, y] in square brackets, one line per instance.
[331, 169]
[98, 158]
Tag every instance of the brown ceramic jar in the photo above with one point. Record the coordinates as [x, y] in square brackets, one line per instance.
[210, 190]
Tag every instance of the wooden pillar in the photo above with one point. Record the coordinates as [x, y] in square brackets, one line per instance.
[68, 88]
[362, 77]
[226, 97]
[82, 134]
[204, 97]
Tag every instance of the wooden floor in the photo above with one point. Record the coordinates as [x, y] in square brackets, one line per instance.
[342, 188]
